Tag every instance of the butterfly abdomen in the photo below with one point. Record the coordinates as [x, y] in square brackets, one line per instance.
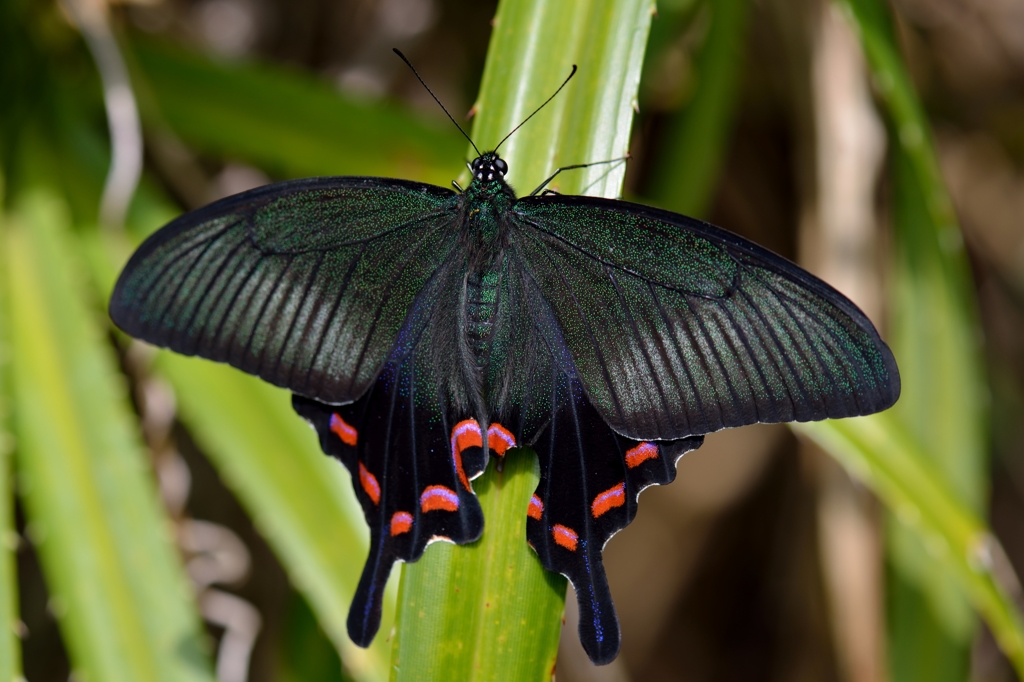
[481, 304]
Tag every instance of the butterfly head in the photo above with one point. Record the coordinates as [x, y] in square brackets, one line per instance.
[488, 167]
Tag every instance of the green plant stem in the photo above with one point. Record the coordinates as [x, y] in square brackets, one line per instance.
[499, 613]
[879, 451]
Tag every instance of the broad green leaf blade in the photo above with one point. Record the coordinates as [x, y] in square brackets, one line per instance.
[532, 50]
[300, 500]
[288, 123]
[696, 143]
[496, 616]
[931, 623]
[124, 605]
[10, 647]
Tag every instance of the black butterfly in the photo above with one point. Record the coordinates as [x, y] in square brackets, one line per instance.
[422, 330]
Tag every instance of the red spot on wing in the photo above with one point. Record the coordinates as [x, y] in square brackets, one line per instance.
[535, 509]
[439, 497]
[369, 483]
[465, 434]
[345, 431]
[640, 454]
[565, 536]
[500, 439]
[609, 499]
[401, 522]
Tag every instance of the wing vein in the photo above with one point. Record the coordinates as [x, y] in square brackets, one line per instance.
[329, 320]
[681, 354]
[655, 377]
[263, 309]
[299, 303]
[583, 317]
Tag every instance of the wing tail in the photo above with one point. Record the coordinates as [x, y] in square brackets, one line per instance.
[390, 440]
[591, 478]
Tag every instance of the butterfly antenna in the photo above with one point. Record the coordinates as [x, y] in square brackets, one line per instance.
[418, 77]
[564, 83]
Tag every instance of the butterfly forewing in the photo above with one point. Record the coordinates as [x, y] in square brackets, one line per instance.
[304, 284]
[678, 328]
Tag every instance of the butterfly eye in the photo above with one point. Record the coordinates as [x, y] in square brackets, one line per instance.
[501, 166]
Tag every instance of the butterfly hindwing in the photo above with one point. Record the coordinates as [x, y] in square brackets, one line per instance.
[303, 283]
[678, 328]
[398, 449]
[590, 476]
[411, 445]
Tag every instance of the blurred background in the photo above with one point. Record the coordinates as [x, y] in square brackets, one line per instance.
[764, 560]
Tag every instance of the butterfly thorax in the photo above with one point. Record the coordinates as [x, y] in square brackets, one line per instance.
[484, 207]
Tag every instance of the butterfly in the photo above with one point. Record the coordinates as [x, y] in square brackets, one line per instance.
[424, 330]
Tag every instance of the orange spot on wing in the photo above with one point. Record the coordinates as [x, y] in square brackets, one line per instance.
[345, 431]
[500, 439]
[535, 509]
[401, 522]
[439, 497]
[565, 536]
[640, 454]
[609, 499]
[465, 434]
[369, 483]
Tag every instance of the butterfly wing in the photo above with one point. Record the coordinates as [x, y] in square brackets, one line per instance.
[410, 445]
[302, 283]
[590, 476]
[679, 328]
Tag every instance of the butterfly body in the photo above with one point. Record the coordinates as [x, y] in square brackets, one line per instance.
[423, 330]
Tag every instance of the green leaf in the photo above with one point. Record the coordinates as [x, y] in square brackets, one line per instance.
[486, 611]
[286, 122]
[926, 457]
[934, 334]
[696, 142]
[10, 647]
[534, 45]
[123, 602]
[306, 654]
[879, 450]
[489, 611]
[300, 500]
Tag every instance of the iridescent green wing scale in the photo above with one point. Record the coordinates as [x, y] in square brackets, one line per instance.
[303, 283]
[678, 328]
[330, 287]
